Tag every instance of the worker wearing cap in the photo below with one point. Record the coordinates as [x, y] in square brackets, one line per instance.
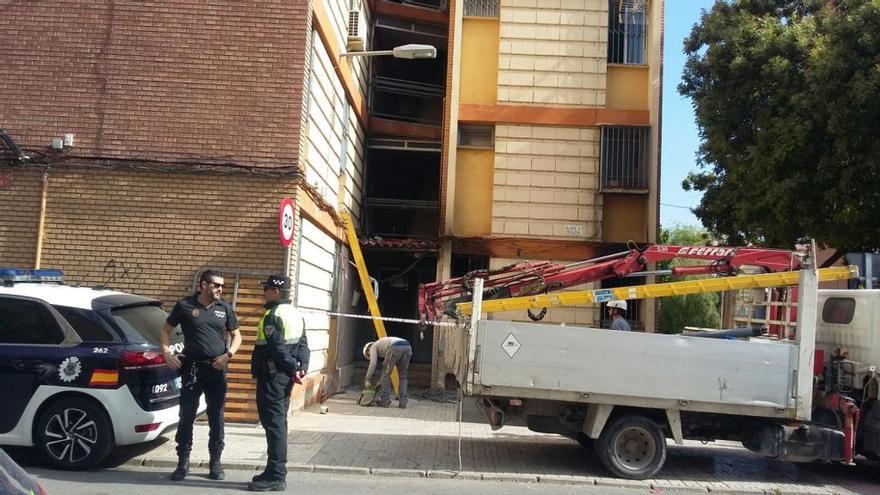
[396, 352]
[280, 358]
[616, 308]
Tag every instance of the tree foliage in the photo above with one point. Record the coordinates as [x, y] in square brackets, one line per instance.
[787, 100]
[697, 310]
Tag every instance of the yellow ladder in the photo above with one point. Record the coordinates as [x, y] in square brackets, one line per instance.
[718, 284]
[370, 296]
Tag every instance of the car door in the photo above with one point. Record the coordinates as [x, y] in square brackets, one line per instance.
[30, 336]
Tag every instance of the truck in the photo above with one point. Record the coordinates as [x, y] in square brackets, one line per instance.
[623, 394]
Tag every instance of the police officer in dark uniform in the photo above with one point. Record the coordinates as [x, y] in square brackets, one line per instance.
[280, 358]
[210, 338]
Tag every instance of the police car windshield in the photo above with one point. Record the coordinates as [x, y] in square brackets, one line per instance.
[146, 322]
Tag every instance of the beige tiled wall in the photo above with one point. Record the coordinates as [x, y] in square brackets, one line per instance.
[553, 52]
[546, 182]
[332, 129]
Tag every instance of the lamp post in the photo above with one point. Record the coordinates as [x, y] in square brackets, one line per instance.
[411, 51]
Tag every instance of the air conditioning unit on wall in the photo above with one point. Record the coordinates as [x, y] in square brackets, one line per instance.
[357, 29]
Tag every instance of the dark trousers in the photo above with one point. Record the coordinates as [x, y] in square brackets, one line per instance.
[198, 378]
[398, 356]
[273, 401]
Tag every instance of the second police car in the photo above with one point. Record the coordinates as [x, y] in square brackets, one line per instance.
[81, 370]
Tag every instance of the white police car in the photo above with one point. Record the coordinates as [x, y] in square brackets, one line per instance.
[81, 370]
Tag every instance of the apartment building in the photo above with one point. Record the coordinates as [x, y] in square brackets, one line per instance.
[534, 134]
[547, 147]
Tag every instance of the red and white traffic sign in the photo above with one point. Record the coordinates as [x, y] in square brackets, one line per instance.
[285, 221]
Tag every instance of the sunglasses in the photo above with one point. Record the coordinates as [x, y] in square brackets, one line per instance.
[215, 284]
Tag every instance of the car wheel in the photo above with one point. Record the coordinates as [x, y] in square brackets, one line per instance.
[632, 447]
[74, 434]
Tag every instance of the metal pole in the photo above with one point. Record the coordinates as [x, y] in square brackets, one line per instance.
[472, 373]
[366, 285]
[286, 266]
[41, 227]
[367, 54]
[806, 335]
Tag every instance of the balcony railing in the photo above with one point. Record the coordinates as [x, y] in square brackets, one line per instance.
[481, 8]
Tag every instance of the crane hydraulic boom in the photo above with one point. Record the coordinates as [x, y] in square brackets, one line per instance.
[529, 278]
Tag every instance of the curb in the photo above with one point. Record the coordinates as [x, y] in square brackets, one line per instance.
[473, 475]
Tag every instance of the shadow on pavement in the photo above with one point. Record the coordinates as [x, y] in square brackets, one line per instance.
[29, 457]
[145, 477]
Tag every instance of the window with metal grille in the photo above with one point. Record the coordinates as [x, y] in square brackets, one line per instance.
[628, 32]
[481, 8]
[476, 136]
[624, 158]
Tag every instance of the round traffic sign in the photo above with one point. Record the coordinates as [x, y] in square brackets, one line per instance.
[285, 221]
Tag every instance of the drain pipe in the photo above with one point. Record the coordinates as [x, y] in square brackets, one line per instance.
[42, 223]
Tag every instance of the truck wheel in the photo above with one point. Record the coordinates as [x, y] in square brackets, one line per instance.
[632, 447]
[74, 434]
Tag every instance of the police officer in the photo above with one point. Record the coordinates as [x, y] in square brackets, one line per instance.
[208, 323]
[280, 358]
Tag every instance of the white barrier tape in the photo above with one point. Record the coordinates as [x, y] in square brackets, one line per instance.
[383, 318]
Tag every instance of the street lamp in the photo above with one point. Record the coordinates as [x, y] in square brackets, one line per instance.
[411, 51]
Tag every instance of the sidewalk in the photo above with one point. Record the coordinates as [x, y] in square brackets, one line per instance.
[422, 440]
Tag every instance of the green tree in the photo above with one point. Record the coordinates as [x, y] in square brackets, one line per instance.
[698, 310]
[787, 95]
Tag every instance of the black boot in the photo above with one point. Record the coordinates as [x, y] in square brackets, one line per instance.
[268, 485]
[182, 468]
[215, 470]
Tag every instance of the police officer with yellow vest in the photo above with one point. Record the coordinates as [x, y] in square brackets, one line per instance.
[280, 358]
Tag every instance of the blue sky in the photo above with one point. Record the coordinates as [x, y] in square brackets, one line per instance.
[680, 139]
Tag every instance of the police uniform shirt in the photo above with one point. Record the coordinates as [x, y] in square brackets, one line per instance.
[204, 328]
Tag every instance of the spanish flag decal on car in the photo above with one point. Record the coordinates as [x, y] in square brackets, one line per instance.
[104, 378]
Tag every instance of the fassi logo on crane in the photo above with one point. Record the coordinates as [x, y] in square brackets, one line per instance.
[706, 251]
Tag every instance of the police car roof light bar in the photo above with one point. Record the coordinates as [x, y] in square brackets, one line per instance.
[9, 276]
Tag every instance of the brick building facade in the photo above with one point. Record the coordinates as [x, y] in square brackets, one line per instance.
[186, 120]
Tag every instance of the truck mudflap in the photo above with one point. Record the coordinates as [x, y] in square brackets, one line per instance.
[802, 443]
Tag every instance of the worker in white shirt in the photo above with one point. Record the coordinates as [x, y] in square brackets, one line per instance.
[396, 352]
[616, 308]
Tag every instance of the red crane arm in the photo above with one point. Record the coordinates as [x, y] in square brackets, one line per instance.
[528, 278]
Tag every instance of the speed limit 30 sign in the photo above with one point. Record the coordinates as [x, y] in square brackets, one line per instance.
[285, 221]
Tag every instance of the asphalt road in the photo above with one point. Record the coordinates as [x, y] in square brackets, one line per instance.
[155, 482]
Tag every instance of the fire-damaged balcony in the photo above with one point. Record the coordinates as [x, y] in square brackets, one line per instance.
[406, 96]
[406, 100]
[402, 189]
